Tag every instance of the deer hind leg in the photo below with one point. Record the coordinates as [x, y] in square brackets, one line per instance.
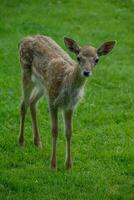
[68, 133]
[54, 119]
[27, 89]
[36, 95]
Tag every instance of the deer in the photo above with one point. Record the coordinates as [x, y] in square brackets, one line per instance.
[47, 70]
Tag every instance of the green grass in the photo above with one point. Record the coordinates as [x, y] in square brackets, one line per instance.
[103, 140]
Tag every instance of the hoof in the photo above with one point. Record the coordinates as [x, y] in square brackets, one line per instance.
[53, 165]
[21, 142]
[38, 144]
[69, 165]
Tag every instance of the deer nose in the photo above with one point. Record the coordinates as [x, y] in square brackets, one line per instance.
[86, 73]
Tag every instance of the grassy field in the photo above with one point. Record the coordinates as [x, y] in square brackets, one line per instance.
[103, 139]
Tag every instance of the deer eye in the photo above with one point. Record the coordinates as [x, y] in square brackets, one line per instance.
[96, 60]
[78, 59]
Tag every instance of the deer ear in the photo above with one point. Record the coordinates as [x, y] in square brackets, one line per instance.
[105, 48]
[71, 45]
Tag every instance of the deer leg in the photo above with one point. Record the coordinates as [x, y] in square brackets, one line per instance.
[27, 88]
[54, 118]
[36, 95]
[68, 133]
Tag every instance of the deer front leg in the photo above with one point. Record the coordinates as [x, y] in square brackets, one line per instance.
[68, 133]
[54, 118]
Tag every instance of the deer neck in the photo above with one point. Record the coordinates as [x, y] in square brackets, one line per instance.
[78, 79]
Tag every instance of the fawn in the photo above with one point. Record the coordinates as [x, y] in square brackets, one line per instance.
[48, 70]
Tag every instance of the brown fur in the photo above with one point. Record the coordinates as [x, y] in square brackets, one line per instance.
[48, 69]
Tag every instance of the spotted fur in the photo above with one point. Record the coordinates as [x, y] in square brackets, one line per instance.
[48, 70]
